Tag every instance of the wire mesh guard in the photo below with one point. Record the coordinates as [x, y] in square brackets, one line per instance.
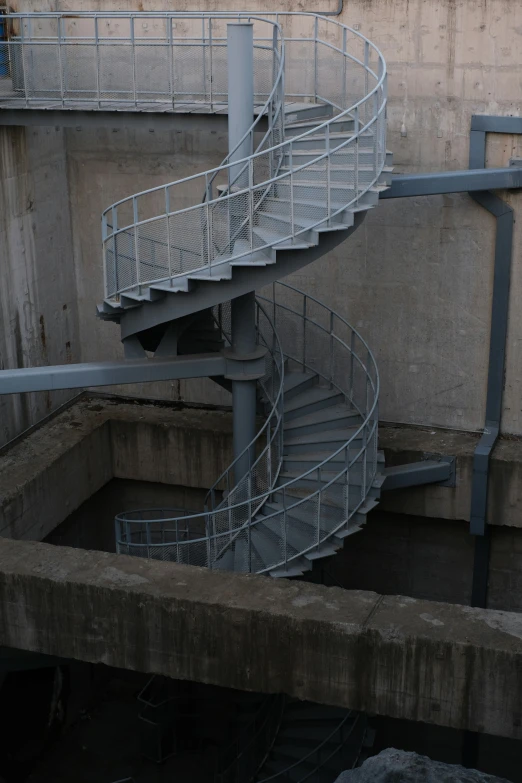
[328, 495]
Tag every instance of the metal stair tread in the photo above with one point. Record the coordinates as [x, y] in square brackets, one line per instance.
[267, 549]
[309, 396]
[316, 457]
[293, 380]
[225, 561]
[306, 517]
[315, 438]
[275, 240]
[328, 415]
[298, 540]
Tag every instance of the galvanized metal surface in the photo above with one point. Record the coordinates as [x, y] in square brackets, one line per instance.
[299, 500]
[441, 182]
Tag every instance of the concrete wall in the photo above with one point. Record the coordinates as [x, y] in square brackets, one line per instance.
[38, 309]
[397, 554]
[420, 660]
[416, 278]
[92, 525]
[50, 473]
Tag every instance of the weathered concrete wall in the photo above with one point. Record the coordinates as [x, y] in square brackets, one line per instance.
[91, 526]
[105, 166]
[39, 312]
[438, 663]
[426, 558]
[419, 270]
[51, 472]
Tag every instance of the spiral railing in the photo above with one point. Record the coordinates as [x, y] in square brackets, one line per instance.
[321, 341]
[174, 60]
[300, 181]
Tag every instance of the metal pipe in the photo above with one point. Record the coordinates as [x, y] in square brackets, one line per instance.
[503, 214]
[243, 392]
[240, 55]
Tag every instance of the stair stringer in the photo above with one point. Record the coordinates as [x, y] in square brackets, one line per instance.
[205, 294]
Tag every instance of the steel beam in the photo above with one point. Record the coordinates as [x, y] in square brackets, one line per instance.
[415, 474]
[244, 345]
[96, 118]
[443, 182]
[496, 124]
[240, 59]
[75, 376]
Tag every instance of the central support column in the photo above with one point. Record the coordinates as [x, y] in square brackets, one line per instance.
[243, 392]
[240, 52]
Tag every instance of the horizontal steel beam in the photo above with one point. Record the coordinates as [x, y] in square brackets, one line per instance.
[100, 118]
[75, 376]
[442, 182]
[492, 124]
[415, 474]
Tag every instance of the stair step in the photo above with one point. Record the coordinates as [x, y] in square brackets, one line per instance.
[343, 125]
[240, 546]
[307, 460]
[337, 479]
[278, 241]
[225, 562]
[306, 515]
[310, 401]
[295, 382]
[296, 567]
[265, 544]
[331, 440]
[296, 538]
[298, 112]
[330, 418]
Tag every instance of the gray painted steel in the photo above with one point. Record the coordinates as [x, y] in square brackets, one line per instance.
[415, 474]
[497, 350]
[76, 376]
[244, 343]
[454, 181]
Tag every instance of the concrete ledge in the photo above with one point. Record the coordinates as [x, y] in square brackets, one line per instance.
[424, 661]
[51, 472]
[401, 444]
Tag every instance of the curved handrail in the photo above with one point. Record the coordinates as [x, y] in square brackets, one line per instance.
[283, 775]
[349, 366]
[204, 229]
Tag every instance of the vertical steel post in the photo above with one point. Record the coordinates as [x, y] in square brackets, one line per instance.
[243, 392]
[240, 54]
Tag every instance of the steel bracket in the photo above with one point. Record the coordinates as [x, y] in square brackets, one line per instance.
[431, 469]
[245, 367]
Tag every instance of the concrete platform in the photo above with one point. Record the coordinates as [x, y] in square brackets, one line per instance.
[424, 661]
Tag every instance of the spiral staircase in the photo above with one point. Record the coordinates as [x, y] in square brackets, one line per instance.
[296, 183]
[299, 179]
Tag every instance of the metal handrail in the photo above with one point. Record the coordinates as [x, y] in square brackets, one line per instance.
[46, 64]
[283, 775]
[209, 533]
